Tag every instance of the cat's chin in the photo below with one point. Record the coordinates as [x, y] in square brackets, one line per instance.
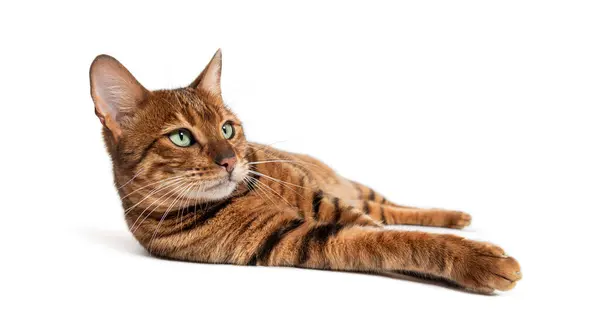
[215, 192]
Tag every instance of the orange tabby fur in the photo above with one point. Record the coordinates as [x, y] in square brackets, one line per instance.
[275, 208]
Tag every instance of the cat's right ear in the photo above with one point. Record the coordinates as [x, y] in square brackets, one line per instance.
[115, 92]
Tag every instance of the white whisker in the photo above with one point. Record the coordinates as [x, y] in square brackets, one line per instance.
[151, 184]
[273, 191]
[176, 200]
[268, 177]
[271, 161]
[126, 183]
[260, 187]
[186, 202]
[177, 187]
[263, 147]
[153, 192]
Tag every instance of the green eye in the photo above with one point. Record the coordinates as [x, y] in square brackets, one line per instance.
[228, 130]
[181, 138]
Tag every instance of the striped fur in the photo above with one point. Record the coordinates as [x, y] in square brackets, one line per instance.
[275, 208]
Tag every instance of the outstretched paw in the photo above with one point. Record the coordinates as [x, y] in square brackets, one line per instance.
[459, 220]
[484, 267]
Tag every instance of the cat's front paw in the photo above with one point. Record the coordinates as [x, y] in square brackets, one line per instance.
[484, 267]
[458, 220]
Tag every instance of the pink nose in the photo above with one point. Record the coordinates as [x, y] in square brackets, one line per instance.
[228, 163]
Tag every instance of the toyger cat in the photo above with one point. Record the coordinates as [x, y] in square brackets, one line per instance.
[194, 189]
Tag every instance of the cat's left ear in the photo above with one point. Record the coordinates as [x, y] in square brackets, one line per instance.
[210, 79]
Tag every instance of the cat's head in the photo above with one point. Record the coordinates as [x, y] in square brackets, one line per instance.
[181, 144]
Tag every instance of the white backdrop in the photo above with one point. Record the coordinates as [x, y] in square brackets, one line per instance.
[487, 107]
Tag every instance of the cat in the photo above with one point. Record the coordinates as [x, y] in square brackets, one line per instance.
[194, 189]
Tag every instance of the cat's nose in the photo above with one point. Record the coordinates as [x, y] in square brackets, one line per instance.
[222, 154]
[227, 162]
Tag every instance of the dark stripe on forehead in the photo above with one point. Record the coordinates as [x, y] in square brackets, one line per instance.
[193, 113]
[194, 109]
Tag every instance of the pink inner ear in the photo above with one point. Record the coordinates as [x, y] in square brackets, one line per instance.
[210, 79]
[114, 91]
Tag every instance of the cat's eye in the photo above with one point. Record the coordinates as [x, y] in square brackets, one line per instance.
[182, 138]
[227, 130]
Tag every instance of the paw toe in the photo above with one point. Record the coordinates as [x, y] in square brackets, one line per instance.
[488, 267]
[461, 220]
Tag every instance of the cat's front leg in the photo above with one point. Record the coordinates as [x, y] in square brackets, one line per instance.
[333, 210]
[387, 212]
[476, 266]
[392, 215]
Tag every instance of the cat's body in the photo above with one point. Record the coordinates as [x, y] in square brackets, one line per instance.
[194, 189]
